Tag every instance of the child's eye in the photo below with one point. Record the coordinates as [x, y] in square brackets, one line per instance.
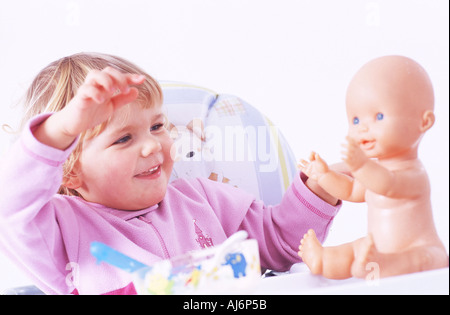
[355, 120]
[123, 140]
[380, 116]
[156, 127]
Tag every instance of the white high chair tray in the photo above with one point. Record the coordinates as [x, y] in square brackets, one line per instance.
[301, 281]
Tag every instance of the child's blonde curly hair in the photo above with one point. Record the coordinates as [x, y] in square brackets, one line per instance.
[55, 85]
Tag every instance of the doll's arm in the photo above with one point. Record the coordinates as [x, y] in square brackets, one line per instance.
[371, 174]
[342, 168]
[380, 180]
[336, 184]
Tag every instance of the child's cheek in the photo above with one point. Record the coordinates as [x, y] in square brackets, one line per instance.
[118, 169]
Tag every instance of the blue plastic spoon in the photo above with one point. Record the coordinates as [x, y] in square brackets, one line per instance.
[105, 253]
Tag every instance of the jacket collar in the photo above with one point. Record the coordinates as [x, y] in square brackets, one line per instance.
[123, 214]
[131, 214]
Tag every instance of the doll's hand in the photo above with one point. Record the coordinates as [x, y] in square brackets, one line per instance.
[315, 168]
[353, 155]
[98, 97]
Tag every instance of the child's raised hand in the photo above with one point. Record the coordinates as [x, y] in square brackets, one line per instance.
[353, 155]
[99, 96]
[315, 168]
[102, 93]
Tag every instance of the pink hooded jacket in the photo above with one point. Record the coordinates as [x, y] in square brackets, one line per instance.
[49, 235]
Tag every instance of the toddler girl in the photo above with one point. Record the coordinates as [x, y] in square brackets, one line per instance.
[93, 164]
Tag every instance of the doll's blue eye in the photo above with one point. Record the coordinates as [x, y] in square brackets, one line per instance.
[355, 120]
[380, 116]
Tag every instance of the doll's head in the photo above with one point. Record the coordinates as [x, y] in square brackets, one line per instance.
[390, 104]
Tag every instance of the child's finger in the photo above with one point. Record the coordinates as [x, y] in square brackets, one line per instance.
[125, 98]
[137, 78]
[122, 81]
[88, 91]
[118, 78]
[101, 80]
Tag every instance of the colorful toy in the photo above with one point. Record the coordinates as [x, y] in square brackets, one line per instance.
[390, 105]
[214, 270]
[237, 262]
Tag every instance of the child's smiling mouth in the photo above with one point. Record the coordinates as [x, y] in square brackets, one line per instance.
[151, 173]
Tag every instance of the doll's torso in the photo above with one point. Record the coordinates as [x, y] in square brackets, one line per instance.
[399, 223]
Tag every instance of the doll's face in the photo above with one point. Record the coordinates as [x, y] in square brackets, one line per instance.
[382, 127]
[385, 109]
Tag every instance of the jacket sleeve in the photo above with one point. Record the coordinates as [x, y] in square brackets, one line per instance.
[30, 176]
[278, 229]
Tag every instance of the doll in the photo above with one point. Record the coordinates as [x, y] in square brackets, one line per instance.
[390, 103]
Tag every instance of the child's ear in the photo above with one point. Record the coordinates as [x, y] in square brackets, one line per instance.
[428, 120]
[72, 180]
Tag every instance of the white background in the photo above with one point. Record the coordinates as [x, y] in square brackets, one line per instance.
[292, 59]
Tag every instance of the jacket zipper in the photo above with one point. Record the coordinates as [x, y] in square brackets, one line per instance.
[161, 240]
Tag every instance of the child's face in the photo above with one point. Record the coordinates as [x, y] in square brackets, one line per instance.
[384, 125]
[128, 165]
